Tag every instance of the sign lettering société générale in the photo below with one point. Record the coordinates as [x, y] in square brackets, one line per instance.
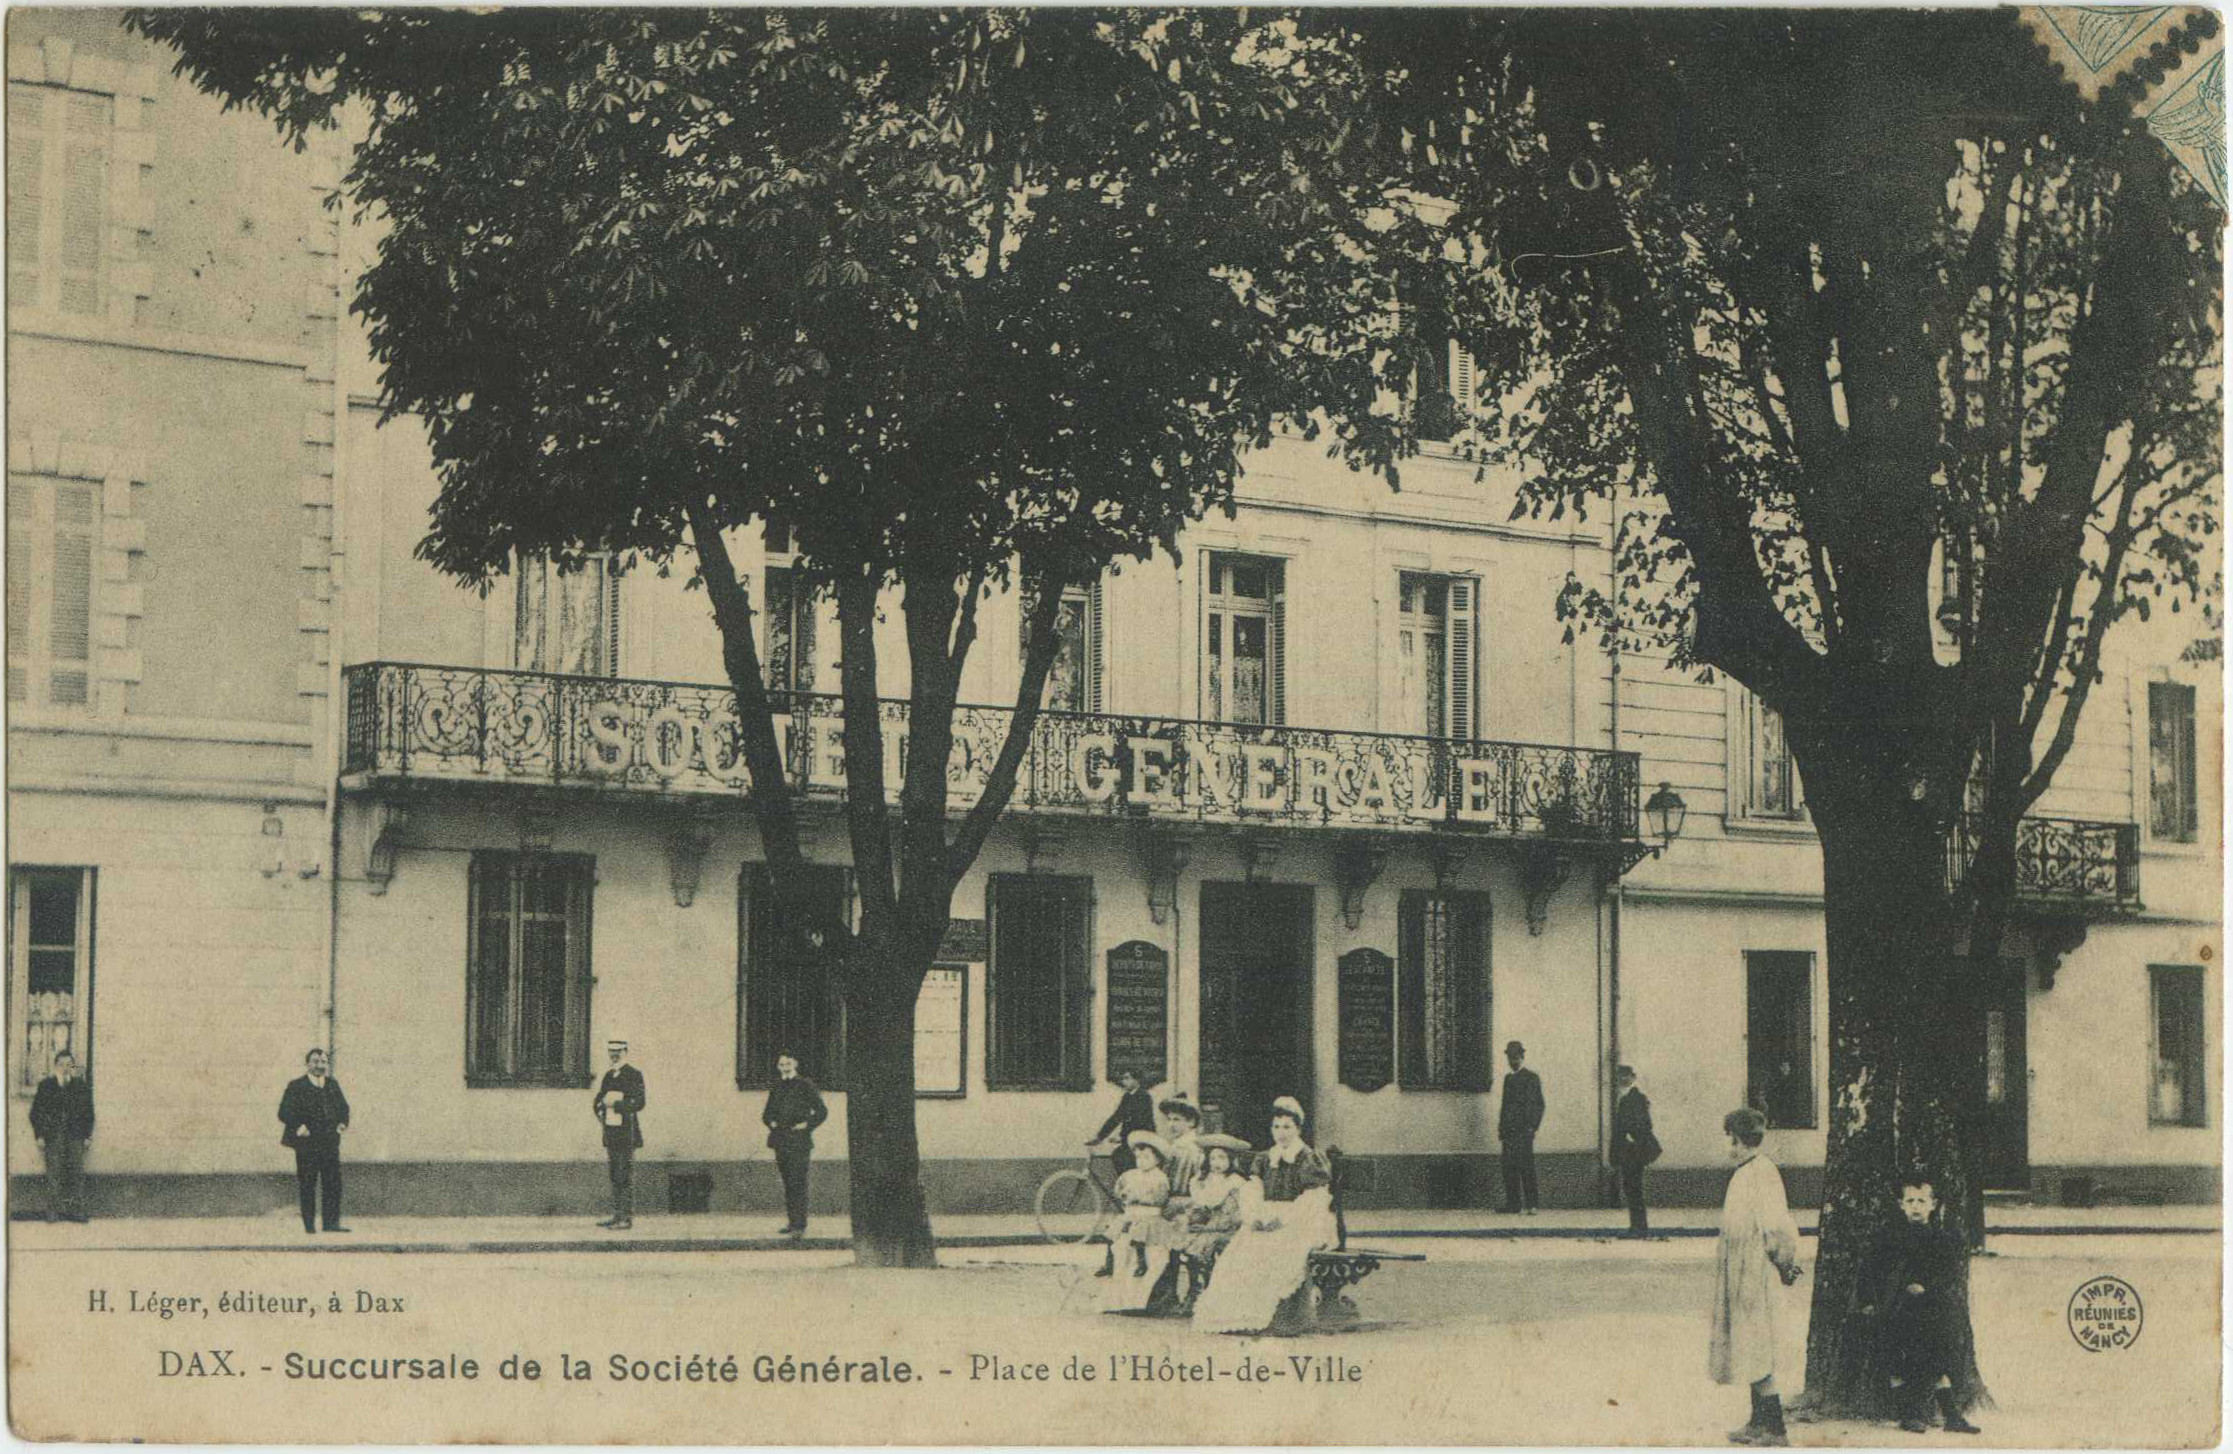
[1182, 768]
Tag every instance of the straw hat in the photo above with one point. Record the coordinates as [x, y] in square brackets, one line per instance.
[1218, 1140]
[1138, 1139]
[1176, 1104]
[1292, 1107]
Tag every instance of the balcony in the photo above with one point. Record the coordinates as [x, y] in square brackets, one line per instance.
[412, 725]
[2065, 867]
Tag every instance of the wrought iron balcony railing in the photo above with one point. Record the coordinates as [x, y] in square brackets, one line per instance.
[2063, 863]
[458, 724]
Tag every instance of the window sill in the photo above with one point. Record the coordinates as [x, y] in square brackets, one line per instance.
[1768, 829]
[510, 1082]
[2155, 1125]
[1047, 1086]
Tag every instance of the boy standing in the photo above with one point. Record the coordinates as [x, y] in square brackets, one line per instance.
[1909, 1281]
[1759, 1257]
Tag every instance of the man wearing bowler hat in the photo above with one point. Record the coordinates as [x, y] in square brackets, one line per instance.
[620, 1097]
[1521, 1113]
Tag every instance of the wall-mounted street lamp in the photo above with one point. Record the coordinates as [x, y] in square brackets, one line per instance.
[1664, 812]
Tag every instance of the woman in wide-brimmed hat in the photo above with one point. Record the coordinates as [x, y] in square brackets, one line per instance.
[1143, 1190]
[1266, 1268]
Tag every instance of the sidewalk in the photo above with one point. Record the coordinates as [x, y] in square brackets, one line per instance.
[736, 1232]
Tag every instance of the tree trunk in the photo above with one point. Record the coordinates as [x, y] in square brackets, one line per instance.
[891, 1219]
[1901, 1019]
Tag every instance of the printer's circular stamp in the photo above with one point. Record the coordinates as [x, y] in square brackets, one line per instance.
[2105, 1314]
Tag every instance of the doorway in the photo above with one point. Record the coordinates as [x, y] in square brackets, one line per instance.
[1256, 977]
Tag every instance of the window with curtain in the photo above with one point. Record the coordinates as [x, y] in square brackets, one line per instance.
[1442, 991]
[566, 616]
[1771, 779]
[1074, 678]
[2173, 805]
[1243, 640]
[528, 969]
[784, 999]
[2176, 1086]
[1436, 648]
[1039, 983]
[50, 968]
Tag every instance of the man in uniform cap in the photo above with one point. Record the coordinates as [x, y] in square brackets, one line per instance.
[1516, 1121]
[620, 1096]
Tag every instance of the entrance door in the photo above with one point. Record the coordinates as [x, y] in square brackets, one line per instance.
[2007, 1138]
[1256, 984]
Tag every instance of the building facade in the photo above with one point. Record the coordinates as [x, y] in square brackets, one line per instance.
[1325, 806]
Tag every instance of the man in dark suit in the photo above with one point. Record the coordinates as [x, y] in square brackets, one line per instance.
[620, 1097]
[1516, 1122]
[794, 1108]
[62, 1122]
[312, 1115]
[1634, 1145]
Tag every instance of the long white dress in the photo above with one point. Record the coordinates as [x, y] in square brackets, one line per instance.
[1261, 1268]
[1758, 1237]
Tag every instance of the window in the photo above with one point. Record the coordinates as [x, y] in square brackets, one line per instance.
[53, 540]
[1442, 991]
[788, 650]
[784, 1000]
[1779, 1035]
[527, 969]
[1074, 680]
[2175, 1095]
[1435, 636]
[58, 197]
[2172, 801]
[1039, 986]
[50, 968]
[1244, 671]
[1771, 780]
[566, 617]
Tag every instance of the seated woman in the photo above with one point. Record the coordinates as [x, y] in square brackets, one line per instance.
[1223, 1195]
[1143, 1190]
[1265, 1270]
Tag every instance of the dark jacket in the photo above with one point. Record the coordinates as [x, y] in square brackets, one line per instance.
[1522, 1111]
[629, 1081]
[791, 1102]
[322, 1112]
[1920, 1333]
[58, 1109]
[1633, 1141]
[1135, 1112]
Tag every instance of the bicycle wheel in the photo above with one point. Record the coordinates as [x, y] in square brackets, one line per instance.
[1069, 1206]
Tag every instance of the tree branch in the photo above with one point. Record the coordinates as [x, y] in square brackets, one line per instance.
[1045, 608]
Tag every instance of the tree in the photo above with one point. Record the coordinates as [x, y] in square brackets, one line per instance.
[1908, 362]
[955, 297]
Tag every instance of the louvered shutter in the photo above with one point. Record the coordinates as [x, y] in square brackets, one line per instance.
[1461, 382]
[1458, 660]
[1096, 658]
[70, 628]
[613, 624]
[1278, 644]
[85, 196]
[23, 524]
[1077, 984]
[27, 159]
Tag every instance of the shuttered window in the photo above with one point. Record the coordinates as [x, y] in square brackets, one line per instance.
[527, 970]
[53, 542]
[1039, 983]
[1437, 632]
[1244, 640]
[58, 197]
[1442, 991]
[789, 650]
[785, 1001]
[2173, 815]
[1074, 679]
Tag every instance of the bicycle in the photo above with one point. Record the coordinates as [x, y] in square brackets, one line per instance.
[1075, 1205]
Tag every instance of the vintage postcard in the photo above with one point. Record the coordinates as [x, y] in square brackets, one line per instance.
[1111, 726]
